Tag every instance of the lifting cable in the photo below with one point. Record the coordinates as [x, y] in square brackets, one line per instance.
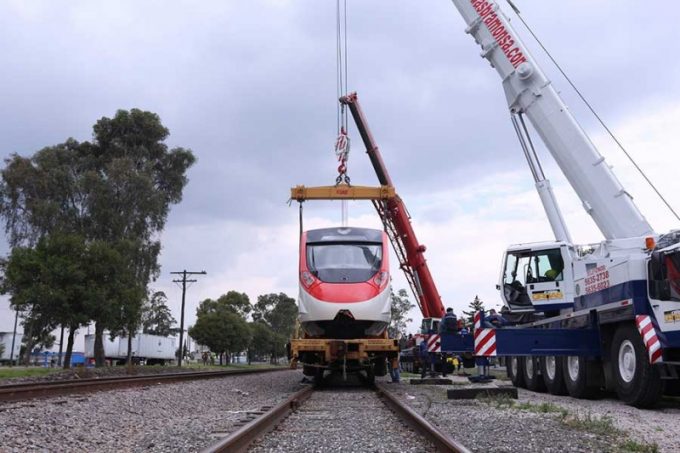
[592, 110]
[342, 143]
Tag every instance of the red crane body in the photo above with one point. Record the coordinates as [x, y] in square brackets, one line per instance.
[397, 223]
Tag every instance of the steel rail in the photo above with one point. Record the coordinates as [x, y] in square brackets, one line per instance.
[419, 423]
[24, 391]
[239, 441]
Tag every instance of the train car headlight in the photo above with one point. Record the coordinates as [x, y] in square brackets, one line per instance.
[306, 278]
[381, 279]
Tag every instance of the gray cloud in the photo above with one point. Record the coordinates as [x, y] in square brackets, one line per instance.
[250, 87]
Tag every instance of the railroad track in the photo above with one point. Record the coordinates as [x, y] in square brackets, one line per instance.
[368, 418]
[18, 392]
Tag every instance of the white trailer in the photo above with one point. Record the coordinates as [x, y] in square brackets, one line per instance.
[148, 349]
[6, 341]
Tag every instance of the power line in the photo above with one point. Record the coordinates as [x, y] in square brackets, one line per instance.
[184, 282]
[592, 110]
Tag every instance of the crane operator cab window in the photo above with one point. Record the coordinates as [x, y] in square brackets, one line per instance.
[532, 277]
[429, 325]
[664, 276]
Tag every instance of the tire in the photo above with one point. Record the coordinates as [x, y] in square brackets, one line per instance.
[638, 383]
[581, 377]
[532, 375]
[551, 369]
[515, 367]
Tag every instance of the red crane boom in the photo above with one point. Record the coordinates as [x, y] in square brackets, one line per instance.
[397, 222]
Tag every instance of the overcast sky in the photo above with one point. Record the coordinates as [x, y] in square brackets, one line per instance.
[250, 87]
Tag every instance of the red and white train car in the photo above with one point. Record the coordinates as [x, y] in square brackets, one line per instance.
[344, 283]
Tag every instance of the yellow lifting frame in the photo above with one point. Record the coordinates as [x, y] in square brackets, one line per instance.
[342, 192]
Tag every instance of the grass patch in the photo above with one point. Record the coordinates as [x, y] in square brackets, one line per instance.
[409, 375]
[505, 402]
[601, 426]
[8, 373]
[596, 425]
[543, 408]
[637, 447]
[498, 401]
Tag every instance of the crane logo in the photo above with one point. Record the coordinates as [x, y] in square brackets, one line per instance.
[495, 26]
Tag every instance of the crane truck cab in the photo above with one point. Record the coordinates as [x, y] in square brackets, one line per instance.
[429, 326]
[663, 277]
[537, 277]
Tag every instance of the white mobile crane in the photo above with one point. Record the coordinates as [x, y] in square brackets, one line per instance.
[582, 319]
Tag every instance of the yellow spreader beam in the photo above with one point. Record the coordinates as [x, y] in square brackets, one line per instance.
[342, 192]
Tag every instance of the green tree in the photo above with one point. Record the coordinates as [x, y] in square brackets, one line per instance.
[156, 316]
[116, 190]
[475, 306]
[48, 282]
[223, 331]
[261, 340]
[114, 294]
[37, 336]
[400, 306]
[279, 311]
[233, 301]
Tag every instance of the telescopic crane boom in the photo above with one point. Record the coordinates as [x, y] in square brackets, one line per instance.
[397, 223]
[529, 92]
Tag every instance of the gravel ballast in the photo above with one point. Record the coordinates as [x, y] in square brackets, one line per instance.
[343, 420]
[538, 422]
[181, 417]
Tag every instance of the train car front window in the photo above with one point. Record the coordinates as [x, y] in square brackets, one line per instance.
[345, 262]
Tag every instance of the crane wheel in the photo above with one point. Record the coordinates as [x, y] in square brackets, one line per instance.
[551, 369]
[515, 368]
[582, 377]
[532, 375]
[638, 383]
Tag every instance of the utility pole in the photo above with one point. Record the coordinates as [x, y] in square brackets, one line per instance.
[184, 282]
[14, 337]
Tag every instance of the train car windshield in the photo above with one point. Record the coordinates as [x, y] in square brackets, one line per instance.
[344, 262]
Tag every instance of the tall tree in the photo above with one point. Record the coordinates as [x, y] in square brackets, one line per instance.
[400, 307]
[116, 189]
[157, 318]
[475, 306]
[279, 311]
[223, 331]
[261, 340]
[233, 301]
[48, 282]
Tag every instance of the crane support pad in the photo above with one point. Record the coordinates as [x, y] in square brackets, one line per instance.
[547, 342]
[355, 349]
[342, 192]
